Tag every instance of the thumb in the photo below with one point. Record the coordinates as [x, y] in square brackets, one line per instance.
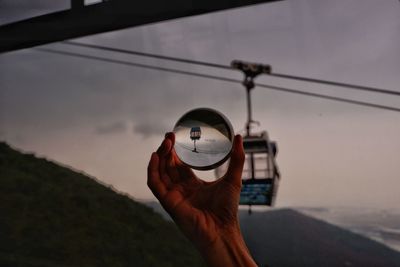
[234, 173]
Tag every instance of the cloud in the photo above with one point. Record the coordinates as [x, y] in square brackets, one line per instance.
[113, 128]
[147, 129]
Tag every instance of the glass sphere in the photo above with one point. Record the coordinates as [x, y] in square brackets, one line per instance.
[203, 138]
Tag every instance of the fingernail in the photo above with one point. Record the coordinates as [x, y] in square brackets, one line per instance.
[169, 135]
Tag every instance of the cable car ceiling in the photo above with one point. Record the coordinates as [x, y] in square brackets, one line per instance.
[105, 16]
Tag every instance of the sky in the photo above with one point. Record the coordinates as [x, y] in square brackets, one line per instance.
[106, 119]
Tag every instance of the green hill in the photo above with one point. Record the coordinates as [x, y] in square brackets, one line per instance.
[53, 216]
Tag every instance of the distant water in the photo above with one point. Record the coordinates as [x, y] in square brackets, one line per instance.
[380, 225]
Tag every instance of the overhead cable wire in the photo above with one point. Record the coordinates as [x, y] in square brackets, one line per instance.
[347, 85]
[215, 65]
[137, 53]
[226, 79]
[140, 65]
[350, 101]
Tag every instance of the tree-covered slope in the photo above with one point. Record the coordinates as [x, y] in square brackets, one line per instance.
[53, 216]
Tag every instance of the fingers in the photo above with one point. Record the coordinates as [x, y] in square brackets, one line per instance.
[176, 170]
[172, 166]
[154, 181]
[163, 153]
[171, 159]
[170, 136]
[234, 173]
[164, 148]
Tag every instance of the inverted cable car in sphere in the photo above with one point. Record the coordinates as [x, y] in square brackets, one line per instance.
[195, 134]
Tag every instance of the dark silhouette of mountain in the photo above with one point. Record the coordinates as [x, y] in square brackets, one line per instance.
[288, 238]
[53, 216]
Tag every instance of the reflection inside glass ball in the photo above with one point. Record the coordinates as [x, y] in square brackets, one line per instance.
[203, 138]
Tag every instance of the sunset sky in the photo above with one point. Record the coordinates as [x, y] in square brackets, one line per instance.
[105, 119]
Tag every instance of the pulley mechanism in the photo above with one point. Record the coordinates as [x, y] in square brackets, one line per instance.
[250, 71]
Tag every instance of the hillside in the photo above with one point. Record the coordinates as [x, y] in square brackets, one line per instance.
[285, 237]
[53, 216]
[288, 238]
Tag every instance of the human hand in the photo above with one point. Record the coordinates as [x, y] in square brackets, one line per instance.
[201, 209]
[206, 212]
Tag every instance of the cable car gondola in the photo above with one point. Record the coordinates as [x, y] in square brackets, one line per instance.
[260, 174]
[260, 177]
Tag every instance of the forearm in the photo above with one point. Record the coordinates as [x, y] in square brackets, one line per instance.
[228, 250]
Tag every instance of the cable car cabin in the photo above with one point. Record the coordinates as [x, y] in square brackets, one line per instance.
[260, 174]
[195, 133]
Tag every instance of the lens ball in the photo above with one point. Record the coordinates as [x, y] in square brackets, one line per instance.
[203, 138]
